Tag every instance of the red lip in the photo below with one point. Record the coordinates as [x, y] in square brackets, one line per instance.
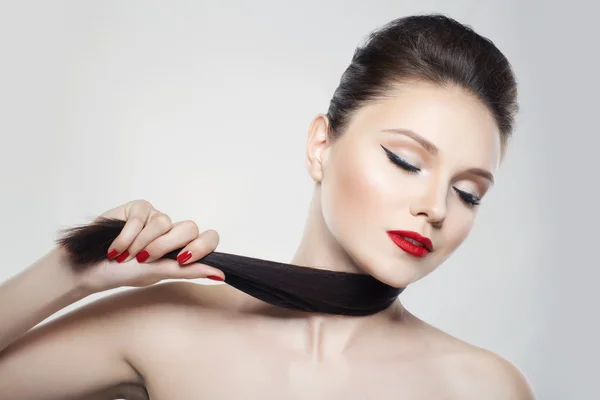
[399, 238]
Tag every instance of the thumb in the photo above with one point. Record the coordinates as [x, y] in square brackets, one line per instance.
[197, 270]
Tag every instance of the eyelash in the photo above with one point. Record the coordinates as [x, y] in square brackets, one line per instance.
[401, 162]
[469, 199]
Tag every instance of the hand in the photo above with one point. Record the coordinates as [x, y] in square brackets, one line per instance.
[148, 234]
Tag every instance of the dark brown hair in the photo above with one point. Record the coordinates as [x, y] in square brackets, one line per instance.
[281, 284]
[432, 48]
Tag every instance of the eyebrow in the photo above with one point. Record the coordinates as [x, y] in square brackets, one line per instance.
[430, 147]
[433, 150]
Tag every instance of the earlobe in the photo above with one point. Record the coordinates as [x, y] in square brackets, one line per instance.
[317, 146]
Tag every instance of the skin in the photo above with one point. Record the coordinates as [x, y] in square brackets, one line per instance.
[187, 341]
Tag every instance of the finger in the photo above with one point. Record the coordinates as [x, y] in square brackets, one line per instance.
[156, 226]
[121, 211]
[167, 269]
[197, 270]
[205, 243]
[136, 219]
[180, 234]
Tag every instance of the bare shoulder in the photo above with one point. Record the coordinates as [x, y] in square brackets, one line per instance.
[104, 346]
[146, 322]
[479, 373]
[128, 308]
[473, 372]
[135, 316]
[176, 300]
[172, 299]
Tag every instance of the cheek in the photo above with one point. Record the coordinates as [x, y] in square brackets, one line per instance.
[457, 227]
[353, 193]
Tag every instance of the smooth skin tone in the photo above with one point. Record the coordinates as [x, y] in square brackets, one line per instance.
[187, 341]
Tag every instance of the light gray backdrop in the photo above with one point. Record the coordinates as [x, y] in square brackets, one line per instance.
[203, 108]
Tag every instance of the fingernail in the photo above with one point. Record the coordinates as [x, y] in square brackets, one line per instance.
[111, 254]
[123, 256]
[215, 278]
[142, 256]
[183, 257]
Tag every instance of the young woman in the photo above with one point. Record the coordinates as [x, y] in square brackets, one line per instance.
[401, 161]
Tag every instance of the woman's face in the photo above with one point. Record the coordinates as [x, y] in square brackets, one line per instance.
[416, 161]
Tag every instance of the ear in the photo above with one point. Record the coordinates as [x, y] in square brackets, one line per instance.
[317, 147]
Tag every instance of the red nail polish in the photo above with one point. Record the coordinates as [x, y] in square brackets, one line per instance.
[123, 256]
[111, 254]
[183, 257]
[215, 278]
[142, 256]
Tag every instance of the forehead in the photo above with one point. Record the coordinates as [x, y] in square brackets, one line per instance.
[455, 121]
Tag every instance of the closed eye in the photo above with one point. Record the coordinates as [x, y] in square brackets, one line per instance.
[468, 198]
[405, 165]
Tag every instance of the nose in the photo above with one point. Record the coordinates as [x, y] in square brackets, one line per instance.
[431, 203]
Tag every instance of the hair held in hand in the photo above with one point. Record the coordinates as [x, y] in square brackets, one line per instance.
[281, 284]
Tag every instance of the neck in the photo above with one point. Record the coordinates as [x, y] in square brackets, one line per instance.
[318, 248]
[323, 333]
[320, 336]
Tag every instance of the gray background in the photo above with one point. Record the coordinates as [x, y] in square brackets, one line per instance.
[203, 108]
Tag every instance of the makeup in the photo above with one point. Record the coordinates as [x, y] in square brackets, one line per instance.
[411, 242]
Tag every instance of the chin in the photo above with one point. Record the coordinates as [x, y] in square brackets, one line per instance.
[394, 273]
[400, 279]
